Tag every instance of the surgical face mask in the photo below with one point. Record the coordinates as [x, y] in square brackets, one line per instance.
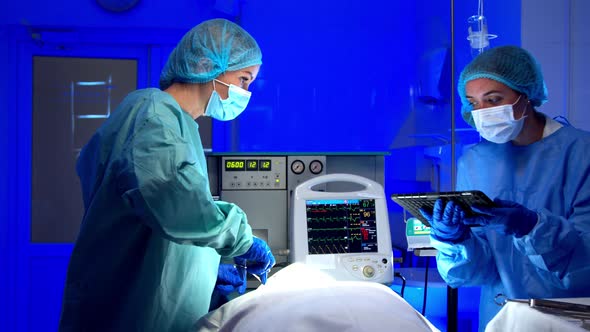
[497, 124]
[230, 108]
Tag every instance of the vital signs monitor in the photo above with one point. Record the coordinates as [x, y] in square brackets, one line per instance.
[344, 234]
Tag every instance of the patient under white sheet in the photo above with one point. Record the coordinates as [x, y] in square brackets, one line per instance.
[299, 298]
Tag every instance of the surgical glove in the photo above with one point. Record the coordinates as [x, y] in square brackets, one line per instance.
[446, 221]
[507, 216]
[258, 260]
[229, 280]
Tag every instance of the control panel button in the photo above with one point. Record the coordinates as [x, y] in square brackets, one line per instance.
[368, 271]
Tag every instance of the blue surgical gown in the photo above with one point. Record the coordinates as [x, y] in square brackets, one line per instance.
[550, 177]
[149, 246]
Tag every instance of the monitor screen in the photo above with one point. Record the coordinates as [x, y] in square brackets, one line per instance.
[338, 226]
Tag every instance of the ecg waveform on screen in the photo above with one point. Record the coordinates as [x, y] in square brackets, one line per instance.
[341, 226]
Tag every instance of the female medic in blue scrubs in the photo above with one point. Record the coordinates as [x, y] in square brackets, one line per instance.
[536, 242]
[149, 247]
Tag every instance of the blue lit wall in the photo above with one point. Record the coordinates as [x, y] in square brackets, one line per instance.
[73, 13]
[334, 76]
[7, 173]
[337, 76]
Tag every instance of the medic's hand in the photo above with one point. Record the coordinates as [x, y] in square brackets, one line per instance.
[258, 259]
[229, 280]
[446, 221]
[507, 216]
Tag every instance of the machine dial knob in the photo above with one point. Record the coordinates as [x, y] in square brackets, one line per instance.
[316, 167]
[368, 271]
[297, 166]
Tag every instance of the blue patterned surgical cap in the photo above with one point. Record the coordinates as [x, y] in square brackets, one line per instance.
[509, 65]
[207, 51]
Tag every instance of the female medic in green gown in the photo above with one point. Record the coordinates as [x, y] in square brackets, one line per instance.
[149, 247]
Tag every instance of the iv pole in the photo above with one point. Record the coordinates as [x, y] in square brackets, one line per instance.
[452, 293]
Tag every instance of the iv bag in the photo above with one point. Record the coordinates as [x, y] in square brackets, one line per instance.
[479, 38]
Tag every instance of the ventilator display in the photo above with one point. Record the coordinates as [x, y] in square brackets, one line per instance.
[341, 226]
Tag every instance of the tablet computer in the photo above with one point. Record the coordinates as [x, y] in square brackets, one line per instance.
[413, 202]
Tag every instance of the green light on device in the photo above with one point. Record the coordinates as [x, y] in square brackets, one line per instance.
[415, 227]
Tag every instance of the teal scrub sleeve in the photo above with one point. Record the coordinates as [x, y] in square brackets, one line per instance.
[561, 244]
[170, 189]
[469, 262]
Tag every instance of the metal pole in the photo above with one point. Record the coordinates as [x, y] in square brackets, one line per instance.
[452, 293]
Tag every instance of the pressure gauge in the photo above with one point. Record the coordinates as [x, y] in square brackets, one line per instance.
[316, 167]
[297, 166]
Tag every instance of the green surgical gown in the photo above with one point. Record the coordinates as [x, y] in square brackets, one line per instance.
[149, 246]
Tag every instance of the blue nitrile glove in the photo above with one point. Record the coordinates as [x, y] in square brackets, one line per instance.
[243, 271]
[229, 280]
[446, 221]
[507, 216]
[258, 259]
